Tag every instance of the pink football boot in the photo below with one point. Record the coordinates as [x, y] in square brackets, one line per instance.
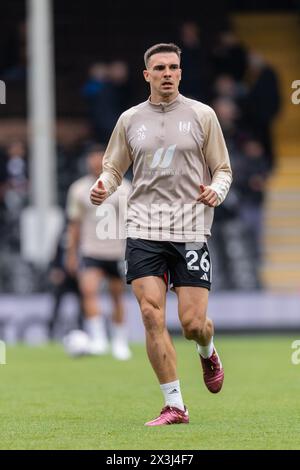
[170, 415]
[213, 372]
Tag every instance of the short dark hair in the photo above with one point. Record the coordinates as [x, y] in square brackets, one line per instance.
[162, 47]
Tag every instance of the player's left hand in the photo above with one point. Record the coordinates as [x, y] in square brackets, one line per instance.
[208, 196]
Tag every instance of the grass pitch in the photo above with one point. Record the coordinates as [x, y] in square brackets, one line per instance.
[49, 401]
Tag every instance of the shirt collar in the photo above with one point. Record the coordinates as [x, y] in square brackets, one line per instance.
[165, 107]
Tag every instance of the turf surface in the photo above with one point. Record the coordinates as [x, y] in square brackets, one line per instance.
[49, 401]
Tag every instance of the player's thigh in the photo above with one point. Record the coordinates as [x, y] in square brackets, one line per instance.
[89, 280]
[192, 303]
[150, 292]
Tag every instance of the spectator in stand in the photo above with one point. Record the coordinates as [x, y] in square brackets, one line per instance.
[229, 56]
[263, 101]
[226, 87]
[16, 185]
[107, 94]
[194, 81]
[119, 76]
[3, 177]
[229, 115]
[99, 94]
[13, 191]
[251, 172]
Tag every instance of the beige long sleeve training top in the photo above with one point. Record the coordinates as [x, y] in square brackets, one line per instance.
[174, 147]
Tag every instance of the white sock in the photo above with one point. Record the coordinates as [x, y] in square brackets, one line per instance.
[95, 328]
[119, 332]
[172, 394]
[206, 351]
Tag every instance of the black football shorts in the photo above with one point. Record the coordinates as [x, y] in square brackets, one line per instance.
[180, 264]
[113, 269]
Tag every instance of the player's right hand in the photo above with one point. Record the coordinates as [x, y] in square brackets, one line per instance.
[98, 193]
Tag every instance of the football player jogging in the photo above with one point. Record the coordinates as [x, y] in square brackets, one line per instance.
[93, 260]
[181, 171]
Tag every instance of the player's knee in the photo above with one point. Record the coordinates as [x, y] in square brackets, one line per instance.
[152, 317]
[193, 329]
[88, 291]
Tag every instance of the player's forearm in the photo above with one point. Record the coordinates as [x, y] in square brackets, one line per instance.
[221, 182]
[111, 179]
[117, 158]
[216, 156]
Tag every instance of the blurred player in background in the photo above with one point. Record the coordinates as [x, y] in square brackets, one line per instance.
[180, 162]
[95, 260]
[61, 283]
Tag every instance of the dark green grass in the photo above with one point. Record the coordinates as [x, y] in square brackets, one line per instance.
[49, 401]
